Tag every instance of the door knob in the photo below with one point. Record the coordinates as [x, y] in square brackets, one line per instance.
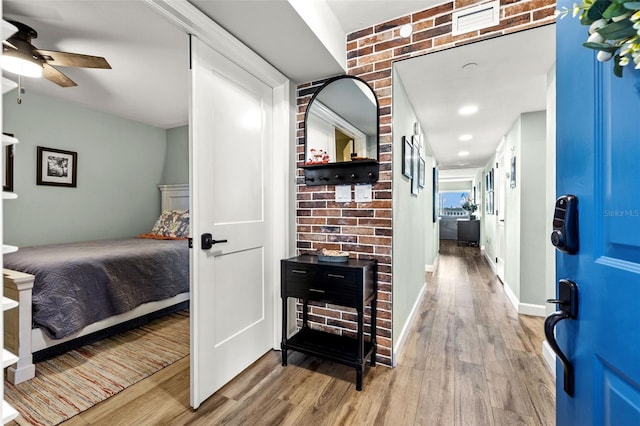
[567, 302]
[207, 241]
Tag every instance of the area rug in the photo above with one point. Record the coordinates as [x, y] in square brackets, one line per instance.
[73, 382]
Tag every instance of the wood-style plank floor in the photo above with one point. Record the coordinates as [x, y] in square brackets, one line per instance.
[468, 360]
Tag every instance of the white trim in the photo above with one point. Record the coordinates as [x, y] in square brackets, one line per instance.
[531, 309]
[511, 296]
[281, 173]
[407, 325]
[549, 357]
[193, 21]
[491, 263]
[434, 266]
[523, 308]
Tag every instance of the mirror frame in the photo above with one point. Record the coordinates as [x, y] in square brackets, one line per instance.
[344, 172]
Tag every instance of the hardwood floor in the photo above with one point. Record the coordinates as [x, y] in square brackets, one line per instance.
[468, 360]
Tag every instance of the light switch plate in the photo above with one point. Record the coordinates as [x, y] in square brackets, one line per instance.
[363, 193]
[343, 193]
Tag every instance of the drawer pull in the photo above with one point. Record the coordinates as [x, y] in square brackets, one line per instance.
[315, 290]
[298, 271]
[335, 276]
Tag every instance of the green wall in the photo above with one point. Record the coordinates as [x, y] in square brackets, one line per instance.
[176, 168]
[120, 164]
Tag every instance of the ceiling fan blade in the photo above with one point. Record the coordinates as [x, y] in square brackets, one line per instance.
[6, 44]
[67, 59]
[52, 74]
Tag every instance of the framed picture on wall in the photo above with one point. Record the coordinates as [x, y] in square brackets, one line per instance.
[56, 167]
[407, 156]
[7, 177]
[512, 174]
[421, 172]
[415, 157]
[434, 195]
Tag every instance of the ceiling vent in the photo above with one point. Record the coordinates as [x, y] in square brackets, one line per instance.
[476, 18]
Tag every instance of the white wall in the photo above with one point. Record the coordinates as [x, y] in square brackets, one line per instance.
[176, 168]
[526, 252]
[415, 236]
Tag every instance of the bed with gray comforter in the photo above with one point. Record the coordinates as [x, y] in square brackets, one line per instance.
[77, 284]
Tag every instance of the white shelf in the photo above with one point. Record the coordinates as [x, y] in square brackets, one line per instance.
[8, 358]
[8, 85]
[8, 304]
[9, 140]
[6, 249]
[9, 195]
[8, 412]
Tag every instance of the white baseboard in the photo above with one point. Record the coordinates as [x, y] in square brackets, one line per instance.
[491, 262]
[549, 357]
[524, 308]
[432, 268]
[407, 325]
[511, 296]
[533, 310]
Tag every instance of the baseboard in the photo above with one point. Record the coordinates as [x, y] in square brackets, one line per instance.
[491, 262]
[432, 268]
[533, 310]
[524, 308]
[549, 357]
[511, 296]
[407, 325]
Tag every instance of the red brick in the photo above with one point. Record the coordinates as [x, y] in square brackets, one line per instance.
[392, 24]
[434, 11]
[360, 33]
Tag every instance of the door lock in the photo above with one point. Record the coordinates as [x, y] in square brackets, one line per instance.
[207, 241]
[565, 224]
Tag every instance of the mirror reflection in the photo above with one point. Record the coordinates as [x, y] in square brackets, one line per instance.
[341, 123]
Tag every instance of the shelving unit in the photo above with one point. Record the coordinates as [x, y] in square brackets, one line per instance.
[8, 358]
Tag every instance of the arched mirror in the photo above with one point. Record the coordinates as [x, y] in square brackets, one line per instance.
[341, 133]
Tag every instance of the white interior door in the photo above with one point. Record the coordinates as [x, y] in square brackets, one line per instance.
[232, 287]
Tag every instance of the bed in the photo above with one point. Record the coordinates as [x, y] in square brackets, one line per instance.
[66, 292]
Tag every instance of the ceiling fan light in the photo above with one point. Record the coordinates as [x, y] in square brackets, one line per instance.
[21, 66]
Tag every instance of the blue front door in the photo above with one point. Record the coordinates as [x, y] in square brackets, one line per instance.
[598, 160]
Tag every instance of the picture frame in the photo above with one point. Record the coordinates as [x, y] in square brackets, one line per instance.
[421, 172]
[407, 157]
[7, 177]
[56, 167]
[434, 195]
[415, 155]
[512, 174]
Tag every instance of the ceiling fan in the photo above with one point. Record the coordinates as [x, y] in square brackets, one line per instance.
[23, 58]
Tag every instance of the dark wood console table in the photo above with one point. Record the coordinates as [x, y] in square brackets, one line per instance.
[352, 284]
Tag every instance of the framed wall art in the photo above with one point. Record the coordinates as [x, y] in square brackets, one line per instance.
[56, 167]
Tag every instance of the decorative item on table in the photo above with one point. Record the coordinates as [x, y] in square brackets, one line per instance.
[318, 156]
[332, 255]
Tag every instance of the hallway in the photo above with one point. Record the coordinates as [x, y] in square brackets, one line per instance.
[469, 360]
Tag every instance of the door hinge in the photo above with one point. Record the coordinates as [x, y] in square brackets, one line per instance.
[190, 242]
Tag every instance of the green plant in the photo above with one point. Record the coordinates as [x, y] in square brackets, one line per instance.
[469, 206]
[614, 30]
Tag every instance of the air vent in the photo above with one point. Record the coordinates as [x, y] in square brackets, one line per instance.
[476, 18]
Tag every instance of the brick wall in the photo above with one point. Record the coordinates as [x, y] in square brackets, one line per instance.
[365, 229]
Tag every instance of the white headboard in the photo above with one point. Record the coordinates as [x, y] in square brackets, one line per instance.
[174, 197]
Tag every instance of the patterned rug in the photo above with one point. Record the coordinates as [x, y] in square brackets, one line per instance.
[73, 382]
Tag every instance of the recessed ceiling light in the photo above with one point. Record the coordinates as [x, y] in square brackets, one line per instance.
[406, 30]
[465, 137]
[468, 110]
[463, 153]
